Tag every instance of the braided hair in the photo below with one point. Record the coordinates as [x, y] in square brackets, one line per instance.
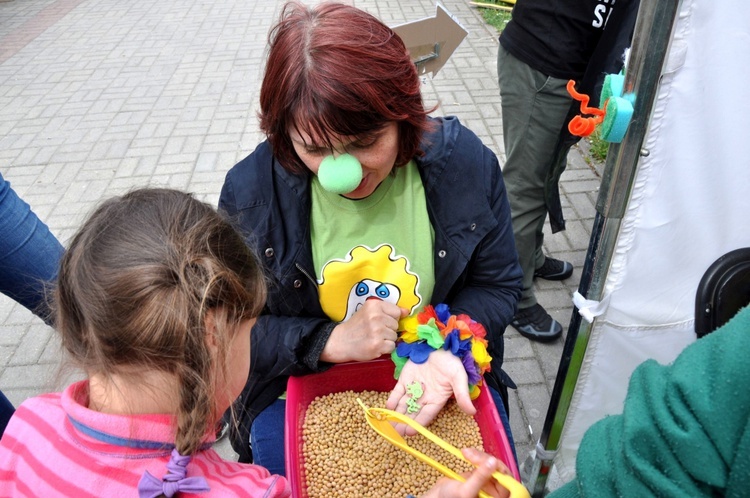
[135, 288]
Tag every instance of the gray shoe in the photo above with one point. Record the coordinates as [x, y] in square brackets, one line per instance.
[535, 323]
[554, 269]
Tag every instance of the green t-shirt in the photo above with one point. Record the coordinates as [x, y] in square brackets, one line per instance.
[377, 247]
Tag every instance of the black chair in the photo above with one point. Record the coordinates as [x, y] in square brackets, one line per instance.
[723, 291]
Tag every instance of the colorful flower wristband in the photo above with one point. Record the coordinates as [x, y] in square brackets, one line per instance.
[435, 328]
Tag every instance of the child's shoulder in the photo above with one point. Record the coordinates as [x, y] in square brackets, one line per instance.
[42, 402]
[44, 399]
[228, 477]
[36, 413]
[35, 422]
[38, 417]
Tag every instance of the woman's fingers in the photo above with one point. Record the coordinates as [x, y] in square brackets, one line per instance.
[396, 396]
[463, 398]
[427, 413]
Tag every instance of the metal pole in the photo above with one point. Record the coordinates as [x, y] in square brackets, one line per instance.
[652, 35]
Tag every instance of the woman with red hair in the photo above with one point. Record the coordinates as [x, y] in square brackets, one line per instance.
[364, 211]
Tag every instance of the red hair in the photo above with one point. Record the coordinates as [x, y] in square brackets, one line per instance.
[334, 70]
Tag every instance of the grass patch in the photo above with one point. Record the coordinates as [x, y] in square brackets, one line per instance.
[599, 147]
[496, 18]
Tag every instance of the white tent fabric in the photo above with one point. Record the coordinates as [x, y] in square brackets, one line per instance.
[689, 205]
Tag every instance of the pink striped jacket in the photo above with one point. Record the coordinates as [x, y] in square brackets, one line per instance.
[55, 446]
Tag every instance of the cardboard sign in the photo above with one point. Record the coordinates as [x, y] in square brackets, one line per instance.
[432, 40]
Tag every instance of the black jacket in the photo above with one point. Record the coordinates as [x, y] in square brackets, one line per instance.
[476, 267]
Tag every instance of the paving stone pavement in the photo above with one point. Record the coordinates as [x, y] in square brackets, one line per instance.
[100, 96]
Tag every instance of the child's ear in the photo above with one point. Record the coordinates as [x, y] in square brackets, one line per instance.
[209, 322]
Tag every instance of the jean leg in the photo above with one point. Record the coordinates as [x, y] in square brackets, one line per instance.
[6, 411]
[267, 438]
[505, 420]
[29, 253]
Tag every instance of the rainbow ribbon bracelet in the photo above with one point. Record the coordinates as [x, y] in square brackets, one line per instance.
[435, 328]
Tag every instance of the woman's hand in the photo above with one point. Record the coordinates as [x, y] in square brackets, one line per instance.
[479, 479]
[441, 376]
[368, 334]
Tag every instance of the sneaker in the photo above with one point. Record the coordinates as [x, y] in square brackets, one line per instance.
[535, 323]
[554, 269]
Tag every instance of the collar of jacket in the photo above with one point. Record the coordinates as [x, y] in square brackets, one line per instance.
[457, 188]
[457, 199]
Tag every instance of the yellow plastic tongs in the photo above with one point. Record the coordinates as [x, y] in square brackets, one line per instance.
[380, 420]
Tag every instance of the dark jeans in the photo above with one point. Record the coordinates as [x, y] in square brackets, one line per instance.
[6, 411]
[29, 253]
[267, 438]
[267, 434]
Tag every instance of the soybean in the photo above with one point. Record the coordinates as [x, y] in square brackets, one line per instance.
[344, 456]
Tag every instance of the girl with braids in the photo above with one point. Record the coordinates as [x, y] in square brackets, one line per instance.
[155, 300]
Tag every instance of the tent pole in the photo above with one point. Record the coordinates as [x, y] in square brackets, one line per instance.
[651, 38]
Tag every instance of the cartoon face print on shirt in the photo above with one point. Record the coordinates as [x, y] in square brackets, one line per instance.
[370, 289]
[365, 274]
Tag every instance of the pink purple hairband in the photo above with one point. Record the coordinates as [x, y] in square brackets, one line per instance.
[175, 480]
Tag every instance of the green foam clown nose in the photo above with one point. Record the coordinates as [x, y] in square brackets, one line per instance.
[340, 175]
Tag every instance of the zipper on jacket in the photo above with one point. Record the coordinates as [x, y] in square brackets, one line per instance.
[304, 272]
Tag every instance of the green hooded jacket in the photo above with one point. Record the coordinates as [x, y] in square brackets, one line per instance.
[684, 430]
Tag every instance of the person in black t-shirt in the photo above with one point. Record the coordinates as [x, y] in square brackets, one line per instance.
[547, 43]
